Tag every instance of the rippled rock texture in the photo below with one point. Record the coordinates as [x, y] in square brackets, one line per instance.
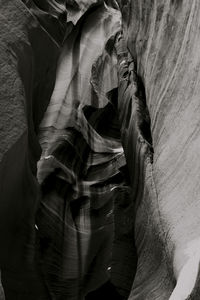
[163, 39]
[110, 92]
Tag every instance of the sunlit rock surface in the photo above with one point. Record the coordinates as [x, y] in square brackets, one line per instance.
[163, 38]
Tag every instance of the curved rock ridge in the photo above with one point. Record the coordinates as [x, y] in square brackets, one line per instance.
[82, 159]
[163, 38]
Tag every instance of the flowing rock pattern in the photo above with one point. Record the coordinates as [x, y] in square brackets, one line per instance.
[163, 38]
[110, 91]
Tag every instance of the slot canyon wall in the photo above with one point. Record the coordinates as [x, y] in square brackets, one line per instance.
[99, 148]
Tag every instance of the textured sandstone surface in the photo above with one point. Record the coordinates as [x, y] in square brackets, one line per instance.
[159, 120]
[163, 38]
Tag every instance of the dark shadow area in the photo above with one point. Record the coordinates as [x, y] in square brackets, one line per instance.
[106, 291]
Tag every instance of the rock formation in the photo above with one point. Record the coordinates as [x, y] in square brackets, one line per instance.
[99, 148]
